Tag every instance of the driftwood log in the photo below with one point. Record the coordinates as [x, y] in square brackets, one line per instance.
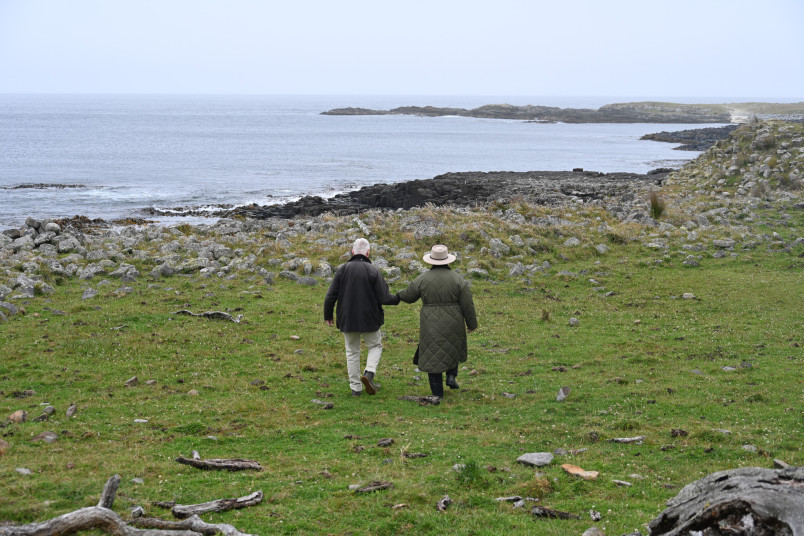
[193, 523]
[182, 511]
[214, 315]
[103, 518]
[739, 502]
[234, 464]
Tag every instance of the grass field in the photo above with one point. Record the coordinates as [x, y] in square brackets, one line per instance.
[722, 369]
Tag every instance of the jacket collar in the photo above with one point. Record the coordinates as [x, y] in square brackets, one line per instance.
[360, 257]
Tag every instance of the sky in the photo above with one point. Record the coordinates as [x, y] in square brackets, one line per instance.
[679, 48]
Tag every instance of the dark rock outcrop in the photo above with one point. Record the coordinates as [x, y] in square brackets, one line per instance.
[464, 189]
[696, 139]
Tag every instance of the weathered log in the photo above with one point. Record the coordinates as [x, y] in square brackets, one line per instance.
[214, 315]
[221, 464]
[747, 501]
[92, 517]
[423, 400]
[109, 492]
[377, 485]
[182, 511]
[193, 523]
[541, 511]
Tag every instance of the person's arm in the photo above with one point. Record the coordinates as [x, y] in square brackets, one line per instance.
[410, 294]
[381, 292]
[331, 298]
[468, 307]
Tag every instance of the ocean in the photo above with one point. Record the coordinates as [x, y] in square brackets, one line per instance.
[111, 156]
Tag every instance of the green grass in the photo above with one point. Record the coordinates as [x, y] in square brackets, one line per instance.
[643, 361]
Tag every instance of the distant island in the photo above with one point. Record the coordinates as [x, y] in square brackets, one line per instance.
[630, 112]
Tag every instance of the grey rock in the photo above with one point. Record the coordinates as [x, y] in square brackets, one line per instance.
[498, 248]
[724, 244]
[537, 459]
[572, 242]
[602, 249]
[10, 308]
[307, 281]
[89, 293]
[574, 322]
[563, 393]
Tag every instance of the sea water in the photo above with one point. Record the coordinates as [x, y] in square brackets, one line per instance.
[112, 156]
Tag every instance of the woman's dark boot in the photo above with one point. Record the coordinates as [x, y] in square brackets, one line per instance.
[451, 382]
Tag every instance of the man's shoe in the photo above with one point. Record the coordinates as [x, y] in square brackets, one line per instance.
[368, 382]
[451, 382]
[356, 393]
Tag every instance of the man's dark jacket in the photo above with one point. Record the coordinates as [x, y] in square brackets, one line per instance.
[360, 291]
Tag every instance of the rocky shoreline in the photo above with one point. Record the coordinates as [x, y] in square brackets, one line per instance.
[722, 203]
[696, 139]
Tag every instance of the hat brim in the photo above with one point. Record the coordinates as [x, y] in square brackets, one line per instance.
[429, 260]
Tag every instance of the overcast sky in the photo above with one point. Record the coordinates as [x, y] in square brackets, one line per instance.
[671, 48]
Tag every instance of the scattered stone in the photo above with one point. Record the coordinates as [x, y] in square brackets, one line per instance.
[47, 437]
[442, 505]
[377, 485]
[563, 393]
[386, 442]
[132, 382]
[750, 448]
[622, 483]
[140, 421]
[574, 322]
[593, 531]
[23, 470]
[4, 446]
[19, 416]
[678, 432]
[595, 515]
[137, 481]
[537, 459]
[688, 296]
[89, 293]
[777, 464]
[541, 511]
[581, 473]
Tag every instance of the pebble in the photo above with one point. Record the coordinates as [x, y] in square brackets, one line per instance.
[579, 472]
[23, 470]
[563, 393]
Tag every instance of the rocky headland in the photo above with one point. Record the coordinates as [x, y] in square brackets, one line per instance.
[632, 112]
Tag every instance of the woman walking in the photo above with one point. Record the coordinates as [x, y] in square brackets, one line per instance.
[448, 311]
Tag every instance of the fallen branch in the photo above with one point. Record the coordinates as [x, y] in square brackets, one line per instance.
[371, 487]
[220, 464]
[637, 439]
[103, 518]
[182, 511]
[541, 511]
[214, 315]
[423, 400]
[193, 523]
[92, 517]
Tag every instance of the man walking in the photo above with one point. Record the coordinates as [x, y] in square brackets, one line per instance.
[360, 292]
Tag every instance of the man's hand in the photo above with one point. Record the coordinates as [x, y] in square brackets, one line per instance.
[330, 322]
